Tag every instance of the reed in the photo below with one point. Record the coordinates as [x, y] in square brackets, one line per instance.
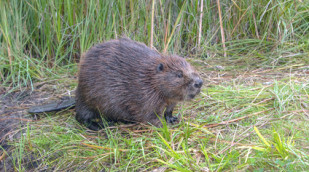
[39, 37]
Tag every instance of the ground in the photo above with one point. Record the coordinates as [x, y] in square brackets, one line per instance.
[246, 118]
[13, 111]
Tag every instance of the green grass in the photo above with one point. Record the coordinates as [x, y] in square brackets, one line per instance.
[38, 37]
[252, 114]
[233, 125]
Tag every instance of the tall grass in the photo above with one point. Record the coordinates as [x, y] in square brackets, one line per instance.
[38, 37]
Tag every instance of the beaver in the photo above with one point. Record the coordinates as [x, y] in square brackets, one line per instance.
[124, 80]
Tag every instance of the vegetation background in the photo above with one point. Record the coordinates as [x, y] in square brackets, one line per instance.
[43, 40]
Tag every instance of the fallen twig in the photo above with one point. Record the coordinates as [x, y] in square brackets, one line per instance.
[100, 147]
[21, 119]
[234, 120]
[2, 156]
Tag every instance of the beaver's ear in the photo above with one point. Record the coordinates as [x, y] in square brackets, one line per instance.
[160, 67]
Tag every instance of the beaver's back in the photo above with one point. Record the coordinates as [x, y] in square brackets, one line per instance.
[116, 73]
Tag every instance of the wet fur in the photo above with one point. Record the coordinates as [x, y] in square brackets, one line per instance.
[122, 80]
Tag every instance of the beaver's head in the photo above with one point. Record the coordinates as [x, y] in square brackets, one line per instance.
[176, 79]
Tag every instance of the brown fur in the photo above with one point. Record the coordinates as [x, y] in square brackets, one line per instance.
[123, 80]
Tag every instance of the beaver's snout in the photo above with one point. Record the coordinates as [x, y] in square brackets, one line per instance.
[195, 87]
[198, 83]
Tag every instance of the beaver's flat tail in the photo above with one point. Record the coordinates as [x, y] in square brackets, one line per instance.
[54, 106]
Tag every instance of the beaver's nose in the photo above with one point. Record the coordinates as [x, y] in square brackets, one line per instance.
[198, 83]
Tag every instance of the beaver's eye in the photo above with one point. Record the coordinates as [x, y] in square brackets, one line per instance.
[179, 74]
[160, 67]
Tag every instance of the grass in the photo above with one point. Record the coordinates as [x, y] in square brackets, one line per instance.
[39, 37]
[235, 124]
[252, 114]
